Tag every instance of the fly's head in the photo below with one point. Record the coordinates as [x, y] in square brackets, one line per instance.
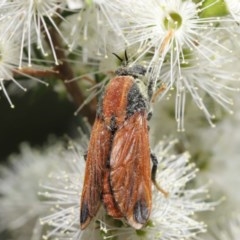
[136, 71]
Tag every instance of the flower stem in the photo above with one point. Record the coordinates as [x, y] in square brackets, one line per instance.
[35, 72]
[65, 73]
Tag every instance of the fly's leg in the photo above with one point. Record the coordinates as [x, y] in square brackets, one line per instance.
[153, 175]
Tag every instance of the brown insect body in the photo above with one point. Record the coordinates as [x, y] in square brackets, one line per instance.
[118, 169]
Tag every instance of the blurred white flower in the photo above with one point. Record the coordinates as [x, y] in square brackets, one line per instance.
[227, 228]
[172, 217]
[233, 7]
[223, 166]
[218, 152]
[19, 184]
[75, 4]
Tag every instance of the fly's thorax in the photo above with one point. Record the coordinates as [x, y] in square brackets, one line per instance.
[135, 71]
[125, 94]
[138, 100]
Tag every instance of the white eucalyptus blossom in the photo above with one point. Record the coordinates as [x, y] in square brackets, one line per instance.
[207, 82]
[96, 27]
[8, 62]
[27, 21]
[173, 217]
[163, 26]
[9, 59]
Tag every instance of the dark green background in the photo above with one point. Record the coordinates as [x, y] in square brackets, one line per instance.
[38, 113]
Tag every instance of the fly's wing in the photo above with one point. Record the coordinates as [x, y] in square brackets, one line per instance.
[130, 170]
[98, 153]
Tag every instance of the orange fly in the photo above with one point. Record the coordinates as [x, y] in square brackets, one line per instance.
[118, 164]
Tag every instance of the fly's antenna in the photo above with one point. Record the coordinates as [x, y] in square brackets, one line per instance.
[118, 57]
[126, 57]
[124, 61]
